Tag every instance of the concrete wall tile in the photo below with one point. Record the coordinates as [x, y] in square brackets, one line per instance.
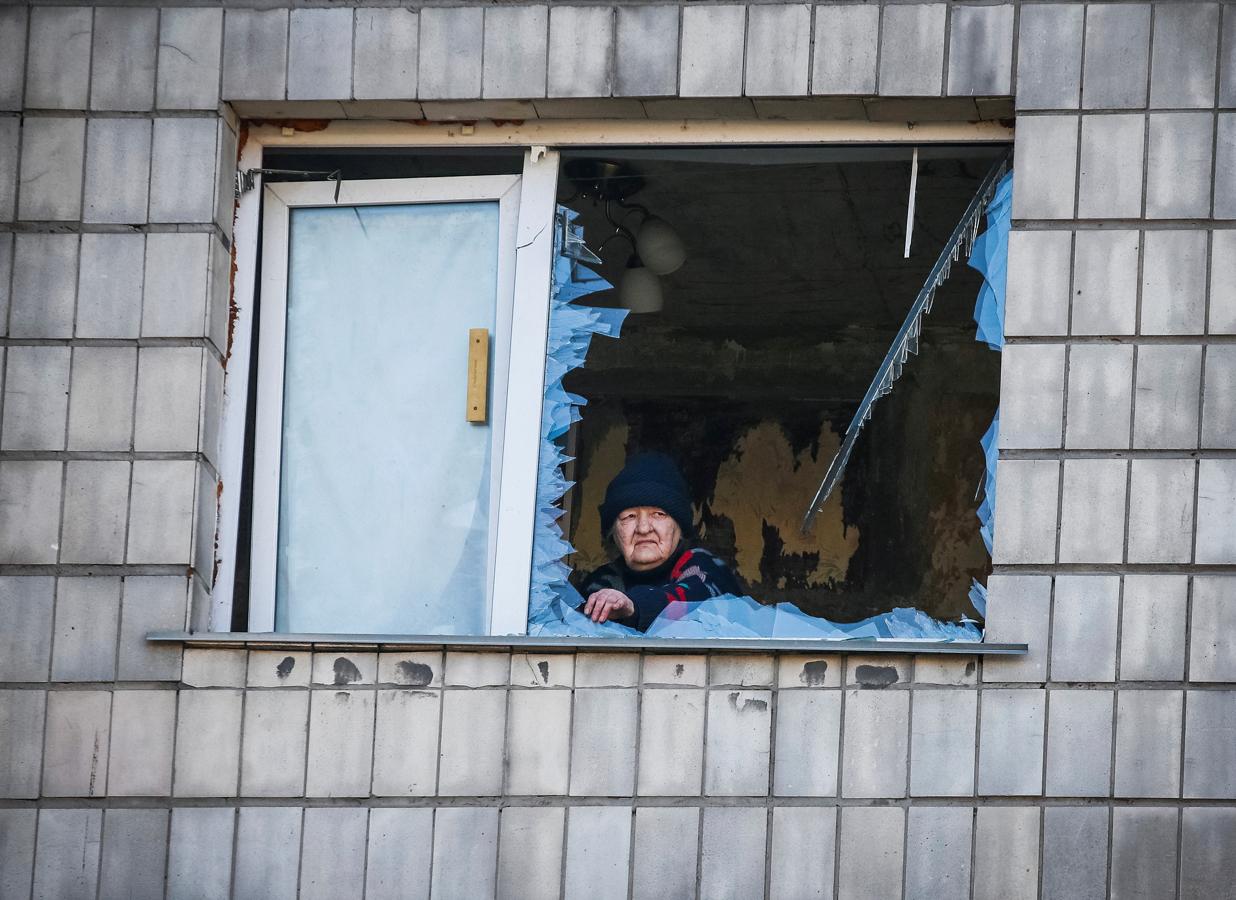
[169, 385]
[17, 831]
[598, 845]
[1011, 743]
[802, 864]
[87, 618]
[1219, 398]
[268, 852]
[1182, 63]
[1049, 56]
[530, 852]
[384, 54]
[1148, 727]
[191, 41]
[66, 863]
[473, 725]
[1111, 163]
[44, 285]
[477, 669]
[607, 669]
[405, 752]
[742, 670]
[161, 511]
[1037, 293]
[1168, 382]
[143, 732]
[1092, 511]
[30, 511]
[659, 874]
[1207, 844]
[75, 753]
[1174, 282]
[255, 54]
[538, 742]
[199, 860]
[174, 301]
[1210, 639]
[117, 171]
[875, 743]
[22, 713]
[122, 63]
[712, 51]
[465, 846]
[516, 38]
[1047, 167]
[956, 672]
[1105, 282]
[1152, 627]
[449, 56]
[1031, 395]
[646, 54]
[671, 743]
[320, 54]
[101, 398]
[26, 604]
[542, 669]
[980, 55]
[14, 23]
[182, 169]
[1117, 56]
[134, 853]
[1178, 165]
[732, 836]
[208, 743]
[1006, 852]
[912, 50]
[1079, 743]
[1227, 60]
[276, 730]
[340, 744]
[1143, 863]
[869, 860]
[738, 743]
[10, 140]
[1225, 164]
[410, 669]
[814, 719]
[603, 743]
[109, 286]
[95, 494]
[938, 852]
[673, 669]
[778, 56]
[1075, 853]
[342, 668]
[1210, 744]
[332, 860]
[213, 667]
[1084, 623]
[942, 743]
[801, 670]
[1216, 505]
[58, 58]
[36, 389]
[151, 603]
[50, 179]
[1027, 495]
[1161, 511]
[847, 42]
[399, 854]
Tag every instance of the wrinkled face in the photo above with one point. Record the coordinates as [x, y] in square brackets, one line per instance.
[646, 536]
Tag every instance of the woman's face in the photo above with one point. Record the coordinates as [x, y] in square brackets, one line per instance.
[646, 536]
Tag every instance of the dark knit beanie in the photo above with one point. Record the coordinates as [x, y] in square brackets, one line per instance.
[648, 479]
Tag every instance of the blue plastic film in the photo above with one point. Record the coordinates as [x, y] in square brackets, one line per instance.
[990, 257]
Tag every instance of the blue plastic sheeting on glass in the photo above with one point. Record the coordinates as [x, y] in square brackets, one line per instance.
[990, 256]
[991, 453]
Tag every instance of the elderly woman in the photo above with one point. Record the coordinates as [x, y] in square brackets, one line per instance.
[647, 514]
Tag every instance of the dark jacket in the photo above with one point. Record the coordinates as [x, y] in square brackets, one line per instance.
[690, 574]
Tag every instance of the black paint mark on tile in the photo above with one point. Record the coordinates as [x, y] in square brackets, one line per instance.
[876, 676]
[543, 668]
[415, 673]
[970, 667]
[284, 669]
[814, 673]
[747, 703]
[346, 671]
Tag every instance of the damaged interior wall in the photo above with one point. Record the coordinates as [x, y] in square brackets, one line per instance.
[793, 286]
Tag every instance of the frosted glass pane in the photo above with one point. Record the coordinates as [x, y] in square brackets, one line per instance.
[384, 489]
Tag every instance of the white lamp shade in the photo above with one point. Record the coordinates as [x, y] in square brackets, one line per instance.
[640, 291]
[660, 247]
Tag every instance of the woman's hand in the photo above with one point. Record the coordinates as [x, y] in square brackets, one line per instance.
[608, 603]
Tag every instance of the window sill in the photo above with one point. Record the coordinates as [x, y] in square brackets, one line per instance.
[267, 641]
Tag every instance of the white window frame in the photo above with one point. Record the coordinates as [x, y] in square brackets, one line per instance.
[521, 439]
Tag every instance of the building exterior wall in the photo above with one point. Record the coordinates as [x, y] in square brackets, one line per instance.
[1102, 762]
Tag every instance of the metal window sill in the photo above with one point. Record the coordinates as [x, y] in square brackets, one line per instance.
[267, 640]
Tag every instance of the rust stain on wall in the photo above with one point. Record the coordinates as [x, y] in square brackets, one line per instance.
[762, 487]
